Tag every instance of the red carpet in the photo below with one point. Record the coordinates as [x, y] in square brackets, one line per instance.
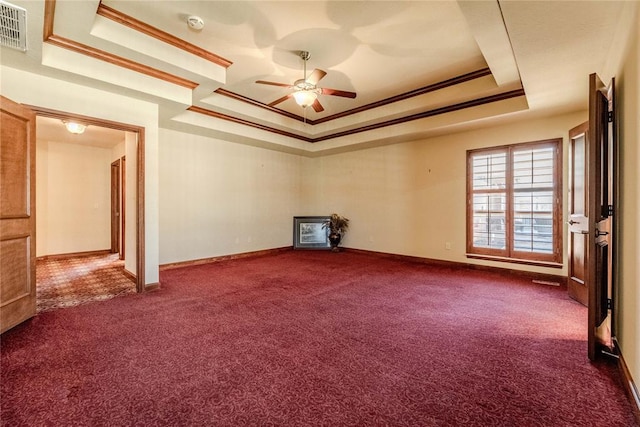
[313, 339]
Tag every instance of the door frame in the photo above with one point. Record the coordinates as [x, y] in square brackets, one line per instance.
[116, 207]
[140, 174]
[123, 205]
[601, 298]
[578, 225]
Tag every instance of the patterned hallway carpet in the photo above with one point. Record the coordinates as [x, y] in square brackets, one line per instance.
[68, 282]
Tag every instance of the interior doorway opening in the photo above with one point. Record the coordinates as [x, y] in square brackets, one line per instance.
[131, 163]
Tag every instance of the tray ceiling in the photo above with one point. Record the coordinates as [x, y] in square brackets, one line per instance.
[419, 68]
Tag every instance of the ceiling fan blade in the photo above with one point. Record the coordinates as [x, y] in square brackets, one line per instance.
[279, 100]
[336, 92]
[264, 82]
[315, 76]
[317, 106]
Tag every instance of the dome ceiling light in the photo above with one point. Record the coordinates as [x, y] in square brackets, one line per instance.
[74, 127]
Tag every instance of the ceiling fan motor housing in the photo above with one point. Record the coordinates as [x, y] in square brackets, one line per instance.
[302, 84]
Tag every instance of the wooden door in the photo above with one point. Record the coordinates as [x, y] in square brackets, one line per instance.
[600, 210]
[578, 222]
[17, 214]
[115, 207]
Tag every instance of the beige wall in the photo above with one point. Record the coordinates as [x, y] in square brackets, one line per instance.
[219, 198]
[73, 198]
[410, 198]
[128, 149]
[628, 301]
[130, 207]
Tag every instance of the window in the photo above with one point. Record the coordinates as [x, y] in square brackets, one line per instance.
[514, 202]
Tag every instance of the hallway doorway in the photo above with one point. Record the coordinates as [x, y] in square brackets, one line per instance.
[81, 182]
[101, 134]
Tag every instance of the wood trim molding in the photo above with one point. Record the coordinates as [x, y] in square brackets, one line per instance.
[538, 277]
[429, 113]
[65, 43]
[140, 213]
[152, 287]
[629, 385]
[249, 123]
[74, 254]
[201, 261]
[401, 97]
[49, 16]
[119, 61]
[123, 206]
[129, 274]
[78, 118]
[158, 34]
[410, 94]
[242, 98]
[514, 260]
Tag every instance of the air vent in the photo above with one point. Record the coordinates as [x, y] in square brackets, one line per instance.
[13, 26]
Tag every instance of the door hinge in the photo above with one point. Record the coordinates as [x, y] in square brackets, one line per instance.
[609, 304]
[606, 211]
[610, 116]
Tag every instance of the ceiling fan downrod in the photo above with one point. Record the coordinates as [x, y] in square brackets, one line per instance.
[305, 57]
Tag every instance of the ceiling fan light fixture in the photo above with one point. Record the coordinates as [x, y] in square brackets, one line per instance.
[75, 128]
[305, 98]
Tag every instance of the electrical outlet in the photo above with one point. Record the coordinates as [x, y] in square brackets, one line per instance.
[447, 246]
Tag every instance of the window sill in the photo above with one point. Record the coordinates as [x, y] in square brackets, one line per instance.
[516, 260]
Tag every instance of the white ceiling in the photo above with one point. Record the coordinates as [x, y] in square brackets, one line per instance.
[378, 49]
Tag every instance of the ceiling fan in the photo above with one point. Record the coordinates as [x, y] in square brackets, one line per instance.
[305, 91]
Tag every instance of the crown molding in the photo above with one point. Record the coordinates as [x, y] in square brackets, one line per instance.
[50, 37]
[428, 113]
[158, 34]
[396, 98]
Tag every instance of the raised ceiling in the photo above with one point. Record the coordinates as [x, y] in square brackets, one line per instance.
[419, 68]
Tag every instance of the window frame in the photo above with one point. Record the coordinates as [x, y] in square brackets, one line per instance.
[509, 253]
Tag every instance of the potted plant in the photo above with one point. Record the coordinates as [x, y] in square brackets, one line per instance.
[338, 226]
